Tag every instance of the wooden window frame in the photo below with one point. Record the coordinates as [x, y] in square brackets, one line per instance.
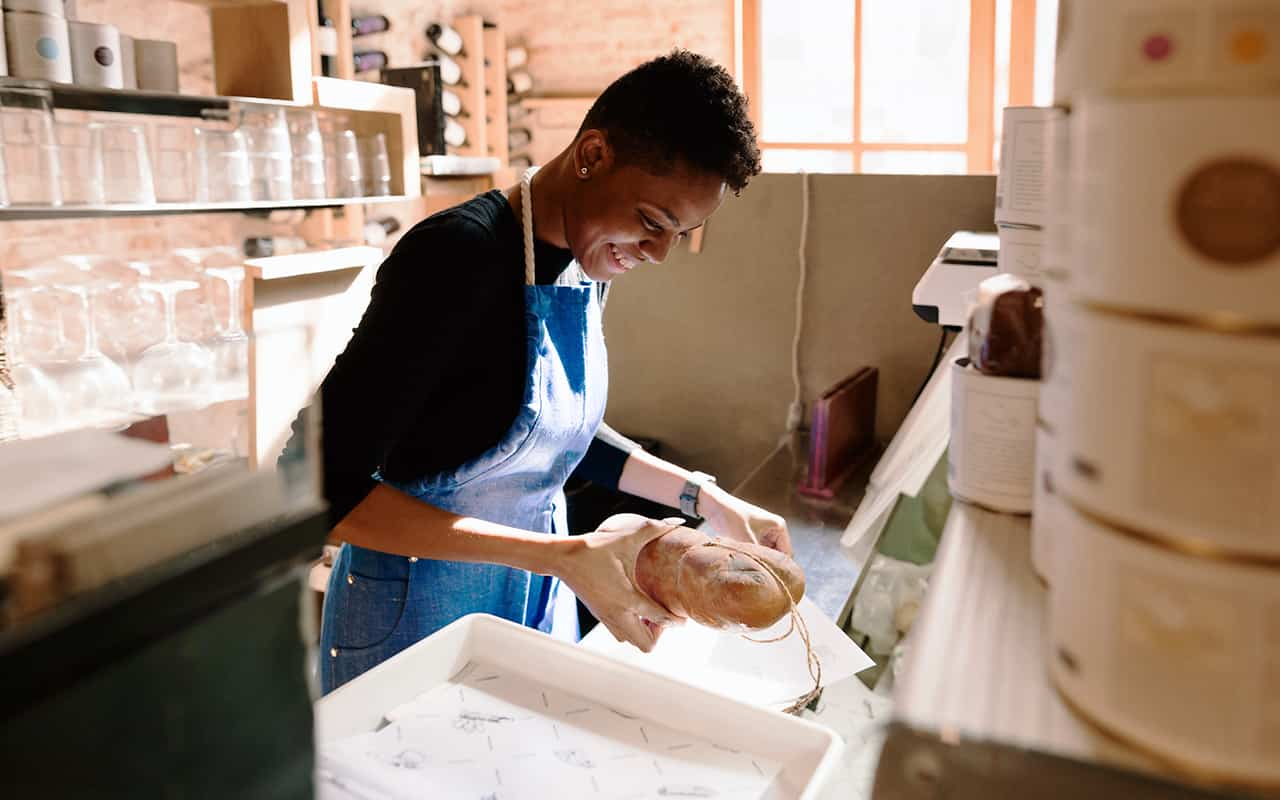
[980, 140]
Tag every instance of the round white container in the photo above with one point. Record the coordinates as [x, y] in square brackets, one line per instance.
[993, 439]
[1184, 224]
[1175, 431]
[128, 69]
[1058, 351]
[1022, 186]
[38, 46]
[1020, 253]
[1178, 655]
[53, 8]
[1055, 260]
[1048, 507]
[1160, 46]
[156, 65]
[95, 55]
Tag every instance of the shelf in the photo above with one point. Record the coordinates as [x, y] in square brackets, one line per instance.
[974, 709]
[312, 262]
[82, 98]
[127, 210]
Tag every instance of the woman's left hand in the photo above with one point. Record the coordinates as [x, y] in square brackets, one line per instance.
[734, 518]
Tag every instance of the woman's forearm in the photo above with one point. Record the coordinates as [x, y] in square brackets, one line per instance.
[393, 522]
[645, 475]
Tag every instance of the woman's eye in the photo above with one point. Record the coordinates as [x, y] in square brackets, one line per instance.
[650, 224]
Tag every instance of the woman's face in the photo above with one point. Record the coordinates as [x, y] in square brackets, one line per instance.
[625, 216]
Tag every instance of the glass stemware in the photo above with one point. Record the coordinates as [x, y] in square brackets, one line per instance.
[231, 346]
[99, 386]
[41, 407]
[173, 374]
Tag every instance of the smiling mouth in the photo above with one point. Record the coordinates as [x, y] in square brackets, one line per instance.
[619, 262]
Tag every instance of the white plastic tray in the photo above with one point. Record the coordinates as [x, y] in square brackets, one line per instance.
[808, 753]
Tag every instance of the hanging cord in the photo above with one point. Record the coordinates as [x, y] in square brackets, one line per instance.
[795, 413]
[937, 359]
[797, 624]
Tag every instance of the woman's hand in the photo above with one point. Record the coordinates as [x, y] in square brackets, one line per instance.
[737, 519]
[600, 569]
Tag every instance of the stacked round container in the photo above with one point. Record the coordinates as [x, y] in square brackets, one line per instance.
[37, 40]
[1164, 612]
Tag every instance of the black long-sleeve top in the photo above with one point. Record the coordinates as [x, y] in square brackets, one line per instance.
[435, 372]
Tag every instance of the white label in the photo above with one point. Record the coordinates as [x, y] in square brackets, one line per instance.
[1210, 450]
[998, 443]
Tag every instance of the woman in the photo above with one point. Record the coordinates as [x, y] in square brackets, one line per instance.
[476, 381]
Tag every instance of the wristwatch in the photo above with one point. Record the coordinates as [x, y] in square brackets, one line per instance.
[692, 491]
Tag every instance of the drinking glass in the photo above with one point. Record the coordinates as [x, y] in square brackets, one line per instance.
[41, 407]
[222, 166]
[97, 385]
[4, 181]
[174, 374]
[80, 155]
[350, 176]
[266, 132]
[33, 174]
[376, 166]
[231, 345]
[308, 156]
[126, 163]
[175, 161]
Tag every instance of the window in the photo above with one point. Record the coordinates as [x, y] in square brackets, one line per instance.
[912, 86]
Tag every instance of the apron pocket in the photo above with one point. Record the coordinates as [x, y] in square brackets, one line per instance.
[367, 610]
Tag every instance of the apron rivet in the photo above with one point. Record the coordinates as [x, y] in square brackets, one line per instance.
[413, 559]
[351, 579]
[333, 652]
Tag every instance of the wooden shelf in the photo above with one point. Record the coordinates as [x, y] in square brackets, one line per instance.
[312, 262]
[389, 110]
[136, 210]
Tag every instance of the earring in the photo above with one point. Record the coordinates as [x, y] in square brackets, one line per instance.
[583, 172]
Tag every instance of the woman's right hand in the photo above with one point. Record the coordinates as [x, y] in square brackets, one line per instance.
[600, 569]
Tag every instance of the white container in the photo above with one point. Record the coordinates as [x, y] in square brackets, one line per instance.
[38, 45]
[1048, 507]
[1175, 431]
[1057, 353]
[1056, 260]
[156, 65]
[128, 69]
[95, 55]
[992, 455]
[1177, 655]
[4, 58]
[52, 8]
[1165, 46]
[1020, 253]
[1022, 187]
[809, 753]
[1183, 205]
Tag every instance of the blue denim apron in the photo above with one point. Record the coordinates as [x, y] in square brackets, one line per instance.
[377, 604]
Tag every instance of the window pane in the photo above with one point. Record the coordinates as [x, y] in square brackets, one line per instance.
[1046, 46]
[915, 162]
[776, 160]
[915, 71]
[806, 70]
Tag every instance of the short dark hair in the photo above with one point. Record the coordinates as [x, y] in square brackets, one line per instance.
[679, 108]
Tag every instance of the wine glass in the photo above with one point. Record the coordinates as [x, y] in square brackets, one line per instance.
[41, 407]
[172, 375]
[98, 385]
[230, 345]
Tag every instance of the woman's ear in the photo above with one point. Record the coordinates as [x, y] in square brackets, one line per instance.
[592, 153]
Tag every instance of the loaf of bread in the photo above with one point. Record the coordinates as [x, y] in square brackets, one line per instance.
[1006, 327]
[716, 582]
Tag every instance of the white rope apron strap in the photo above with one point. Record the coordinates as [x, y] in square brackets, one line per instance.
[526, 214]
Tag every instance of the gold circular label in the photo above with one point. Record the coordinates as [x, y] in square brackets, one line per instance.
[1229, 211]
